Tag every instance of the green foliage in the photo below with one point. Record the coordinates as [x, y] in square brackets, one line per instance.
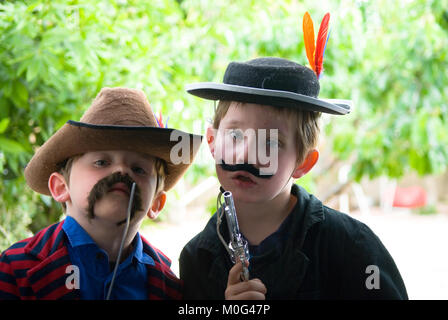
[389, 57]
[426, 210]
[398, 87]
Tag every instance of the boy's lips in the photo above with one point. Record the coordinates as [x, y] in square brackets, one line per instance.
[120, 187]
[243, 179]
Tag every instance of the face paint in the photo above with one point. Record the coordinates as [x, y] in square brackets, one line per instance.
[103, 186]
[245, 167]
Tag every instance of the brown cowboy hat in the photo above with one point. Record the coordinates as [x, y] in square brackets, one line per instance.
[118, 119]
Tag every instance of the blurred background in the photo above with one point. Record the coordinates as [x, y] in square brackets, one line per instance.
[384, 164]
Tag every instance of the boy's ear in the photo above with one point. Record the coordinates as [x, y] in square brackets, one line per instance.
[307, 164]
[157, 205]
[58, 187]
[210, 135]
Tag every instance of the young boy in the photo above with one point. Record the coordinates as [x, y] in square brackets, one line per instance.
[298, 248]
[91, 167]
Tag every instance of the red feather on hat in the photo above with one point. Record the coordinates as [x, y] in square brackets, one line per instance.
[160, 120]
[320, 44]
[315, 53]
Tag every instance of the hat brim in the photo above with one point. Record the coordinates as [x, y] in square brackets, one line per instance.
[76, 138]
[221, 91]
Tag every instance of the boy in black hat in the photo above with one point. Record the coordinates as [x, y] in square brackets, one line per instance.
[298, 248]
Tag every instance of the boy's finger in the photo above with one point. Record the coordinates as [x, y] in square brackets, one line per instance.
[235, 274]
[248, 290]
[251, 295]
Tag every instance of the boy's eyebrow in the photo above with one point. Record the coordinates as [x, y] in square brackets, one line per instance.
[236, 122]
[104, 153]
[146, 156]
[149, 158]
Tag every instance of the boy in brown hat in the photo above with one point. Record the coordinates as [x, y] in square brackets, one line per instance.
[109, 171]
[264, 136]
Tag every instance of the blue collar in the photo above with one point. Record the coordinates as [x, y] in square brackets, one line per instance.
[77, 237]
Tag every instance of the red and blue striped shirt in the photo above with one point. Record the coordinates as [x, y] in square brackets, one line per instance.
[39, 268]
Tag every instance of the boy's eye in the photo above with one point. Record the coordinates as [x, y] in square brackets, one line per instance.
[100, 163]
[272, 143]
[236, 134]
[139, 170]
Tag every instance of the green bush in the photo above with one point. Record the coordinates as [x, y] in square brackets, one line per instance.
[389, 57]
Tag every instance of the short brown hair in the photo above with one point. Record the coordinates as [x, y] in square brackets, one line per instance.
[306, 124]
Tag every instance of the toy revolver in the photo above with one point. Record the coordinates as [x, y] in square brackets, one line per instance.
[238, 245]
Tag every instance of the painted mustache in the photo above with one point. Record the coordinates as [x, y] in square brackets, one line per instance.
[245, 167]
[103, 186]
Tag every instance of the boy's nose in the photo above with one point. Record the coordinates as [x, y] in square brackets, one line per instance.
[123, 169]
[246, 152]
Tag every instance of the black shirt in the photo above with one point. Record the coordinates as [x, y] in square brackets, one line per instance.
[325, 255]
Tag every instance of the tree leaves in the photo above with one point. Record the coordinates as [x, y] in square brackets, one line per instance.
[390, 57]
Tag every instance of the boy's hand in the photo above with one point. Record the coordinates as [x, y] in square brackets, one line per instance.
[253, 289]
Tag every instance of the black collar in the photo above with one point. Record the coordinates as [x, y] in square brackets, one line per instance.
[307, 211]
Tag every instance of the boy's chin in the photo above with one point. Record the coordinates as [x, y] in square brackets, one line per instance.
[111, 211]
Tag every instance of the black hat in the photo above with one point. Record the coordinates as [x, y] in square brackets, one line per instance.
[270, 81]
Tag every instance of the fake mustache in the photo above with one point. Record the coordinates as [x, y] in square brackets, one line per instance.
[245, 167]
[103, 186]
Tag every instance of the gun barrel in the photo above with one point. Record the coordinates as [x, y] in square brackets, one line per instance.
[230, 211]
[237, 244]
